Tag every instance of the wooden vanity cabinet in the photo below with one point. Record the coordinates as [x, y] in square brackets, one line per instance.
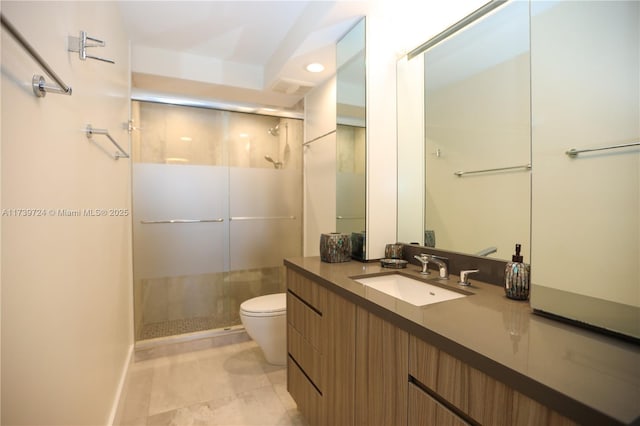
[475, 396]
[381, 371]
[321, 352]
[348, 366]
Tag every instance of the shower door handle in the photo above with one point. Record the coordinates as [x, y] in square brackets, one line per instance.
[151, 222]
[261, 217]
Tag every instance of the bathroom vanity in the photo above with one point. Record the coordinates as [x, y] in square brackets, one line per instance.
[358, 356]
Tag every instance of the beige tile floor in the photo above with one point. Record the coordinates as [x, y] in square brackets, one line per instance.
[227, 385]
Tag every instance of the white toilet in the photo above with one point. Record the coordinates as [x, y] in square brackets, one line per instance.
[265, 319]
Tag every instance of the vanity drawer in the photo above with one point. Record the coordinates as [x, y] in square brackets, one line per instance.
[306, 396]
[307, 357]
[423, 362]
[426, 411]
[479, 396]
[474, 393]
[306, 290]
[304, 319]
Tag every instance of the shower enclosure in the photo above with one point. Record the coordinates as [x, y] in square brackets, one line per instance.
[217, 203]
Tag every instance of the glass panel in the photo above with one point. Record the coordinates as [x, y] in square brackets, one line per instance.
[586, 210]
[351, 134]
[350, 201]
[265, 217]
[172, 134]
[169, 192]
[184, 280]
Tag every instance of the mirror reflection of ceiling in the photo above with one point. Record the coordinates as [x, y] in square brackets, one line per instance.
[465, 53]
[351, 77]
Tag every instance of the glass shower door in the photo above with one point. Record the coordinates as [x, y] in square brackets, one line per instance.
[180, 247]
[216, 207]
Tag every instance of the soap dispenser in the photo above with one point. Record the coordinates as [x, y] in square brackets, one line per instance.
[516, 277]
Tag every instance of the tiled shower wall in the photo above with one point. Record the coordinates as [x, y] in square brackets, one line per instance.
[193, 164]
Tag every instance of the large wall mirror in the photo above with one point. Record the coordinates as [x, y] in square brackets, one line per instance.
[505, 96]
[351, 131]
[477, 136]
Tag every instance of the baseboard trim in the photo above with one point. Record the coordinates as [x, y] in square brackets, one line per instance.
[113, 415]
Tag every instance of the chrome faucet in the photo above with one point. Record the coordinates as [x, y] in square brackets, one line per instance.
[464, 276]
[425, 258]
[442, 266]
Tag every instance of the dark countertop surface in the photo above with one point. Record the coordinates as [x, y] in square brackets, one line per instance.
[587, 376]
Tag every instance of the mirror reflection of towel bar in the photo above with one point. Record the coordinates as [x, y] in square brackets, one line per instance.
[573, 152]
[150, 222]
[261, 217]
[525, 167]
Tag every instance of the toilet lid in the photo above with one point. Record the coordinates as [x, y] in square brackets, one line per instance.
[271, 303]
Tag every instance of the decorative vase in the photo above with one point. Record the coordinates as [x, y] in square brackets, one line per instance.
[335, 247]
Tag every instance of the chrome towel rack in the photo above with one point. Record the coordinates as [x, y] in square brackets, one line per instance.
[153, 222]
[573, 152]
[38, 83]
[500, 169]
[80, 44]
[90, 131]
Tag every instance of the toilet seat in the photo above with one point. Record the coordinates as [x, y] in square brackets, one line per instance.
[270, 305]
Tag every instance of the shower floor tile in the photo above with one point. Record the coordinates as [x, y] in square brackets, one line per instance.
[181, 326]
[226, 385]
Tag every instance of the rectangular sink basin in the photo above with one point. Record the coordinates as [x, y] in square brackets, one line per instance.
[412, 291]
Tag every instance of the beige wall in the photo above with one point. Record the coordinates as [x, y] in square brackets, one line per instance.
[66, 280]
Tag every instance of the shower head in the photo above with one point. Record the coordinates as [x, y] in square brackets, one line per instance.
[276, 164]
[274, 131]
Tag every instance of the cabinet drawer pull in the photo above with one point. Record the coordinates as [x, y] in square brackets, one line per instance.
[310, 306]
[464, 416]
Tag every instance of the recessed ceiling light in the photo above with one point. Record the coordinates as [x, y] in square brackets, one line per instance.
[315, 67]
[186, 139]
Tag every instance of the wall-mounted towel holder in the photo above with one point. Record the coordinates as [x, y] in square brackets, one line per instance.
[38, 83]
[80, 44]
[90, 131]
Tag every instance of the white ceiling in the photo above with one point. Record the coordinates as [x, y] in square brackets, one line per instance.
[279, 38]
